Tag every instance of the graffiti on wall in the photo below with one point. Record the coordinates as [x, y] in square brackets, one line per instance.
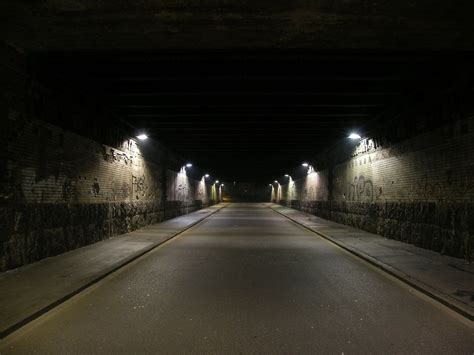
[69, 192]
[139, 186]
[116, 156]
[121, 190]
[201, 191]
[454, 186]
[180, 187]
[313, 187]
[360, 189]
[182, 192]
[364, 146]
[49, 189]
[95, 188]
[461, 181]
[309, 193]
[450, 185]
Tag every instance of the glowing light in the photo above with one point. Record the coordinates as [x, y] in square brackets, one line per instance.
[276, 182]
[222, 184]
[142, 137]
[286, 175]
[305, 165]
[188, 165]
[354, 136]
[206, 175]
[217, 181]
[269, 184]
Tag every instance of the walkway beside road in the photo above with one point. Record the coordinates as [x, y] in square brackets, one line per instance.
[29, 291]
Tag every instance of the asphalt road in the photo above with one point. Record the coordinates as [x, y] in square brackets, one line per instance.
[248, 281]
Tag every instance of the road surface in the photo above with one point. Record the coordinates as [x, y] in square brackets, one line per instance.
[247, 281]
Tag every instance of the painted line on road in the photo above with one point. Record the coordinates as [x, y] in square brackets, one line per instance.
[15, 327]
[418, 285]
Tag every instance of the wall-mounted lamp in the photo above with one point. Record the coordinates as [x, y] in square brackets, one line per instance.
[188, 165]
[354, 136]
[142, 137]
[305, 165]
[276, 182]
[206, 175]
[217, 181]
[286, 175]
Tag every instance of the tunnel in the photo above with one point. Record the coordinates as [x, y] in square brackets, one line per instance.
[230, 177]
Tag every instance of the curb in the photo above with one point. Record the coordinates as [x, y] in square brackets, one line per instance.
[106, 272]
[454, 305]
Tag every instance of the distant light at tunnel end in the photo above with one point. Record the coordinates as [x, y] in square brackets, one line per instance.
[142, 137]
[354, 135]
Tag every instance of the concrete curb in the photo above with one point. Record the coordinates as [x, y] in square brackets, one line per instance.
[438, 296]
[106, 272]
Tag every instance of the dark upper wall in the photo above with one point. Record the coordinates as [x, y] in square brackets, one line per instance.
[60, 190]
[412, 179]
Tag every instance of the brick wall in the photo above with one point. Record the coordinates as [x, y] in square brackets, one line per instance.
[60, 190]
[418, 189]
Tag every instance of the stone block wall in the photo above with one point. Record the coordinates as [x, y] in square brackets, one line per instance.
[418, 190]
[60, 190]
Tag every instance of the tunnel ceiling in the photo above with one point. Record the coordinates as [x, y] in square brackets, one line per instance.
[324, 24]
[246, 90]
[250, 115]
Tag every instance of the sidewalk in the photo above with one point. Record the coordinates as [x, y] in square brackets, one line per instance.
[448, 280]
[29, 291]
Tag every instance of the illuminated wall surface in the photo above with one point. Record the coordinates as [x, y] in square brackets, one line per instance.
[60, 190]
[65, 191]
[420, 190]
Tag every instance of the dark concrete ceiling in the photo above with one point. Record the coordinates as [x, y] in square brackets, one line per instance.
[246, 89]
[316, 24]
